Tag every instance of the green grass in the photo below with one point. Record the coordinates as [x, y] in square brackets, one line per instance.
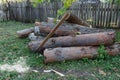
[12, 49]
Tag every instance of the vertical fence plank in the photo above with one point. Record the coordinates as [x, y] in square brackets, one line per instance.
[98, 16]
[107, 13]
[113, 16]
[104, 14]
[119, 16]
[81, 11]
[95, 19]
[110, 14]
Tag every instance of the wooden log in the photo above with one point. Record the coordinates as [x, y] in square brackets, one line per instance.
[53, 31]
[74, 19]
[64, 30]
[74, 53]
[67, 29]
[106, 38]
[45, 30]
[24, 33]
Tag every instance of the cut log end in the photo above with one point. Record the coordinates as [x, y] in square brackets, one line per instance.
[33, 46]
[37, 24]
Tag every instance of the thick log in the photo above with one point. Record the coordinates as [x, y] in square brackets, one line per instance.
[106, 38]
[59, 32]
[74, 53]
[74, 19]
[24, 33]
[45, 30]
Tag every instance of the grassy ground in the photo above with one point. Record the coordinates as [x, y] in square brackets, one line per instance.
[12, 49]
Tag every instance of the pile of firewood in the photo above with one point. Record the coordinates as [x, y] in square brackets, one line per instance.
[72, 39]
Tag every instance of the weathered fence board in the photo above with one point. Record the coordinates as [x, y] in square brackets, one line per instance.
[99, 14]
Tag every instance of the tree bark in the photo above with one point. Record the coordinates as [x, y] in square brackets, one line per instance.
[106, 38]
[74, 53]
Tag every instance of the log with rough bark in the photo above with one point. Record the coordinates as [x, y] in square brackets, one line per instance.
[64, 30]
[68, 27]
[45, 30]
[106, 38]
[74, 53]
[74, 19]
[24, 33]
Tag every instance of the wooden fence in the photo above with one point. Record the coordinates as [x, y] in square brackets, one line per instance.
[99, 15]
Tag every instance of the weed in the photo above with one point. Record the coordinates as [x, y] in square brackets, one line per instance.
[102, 53]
